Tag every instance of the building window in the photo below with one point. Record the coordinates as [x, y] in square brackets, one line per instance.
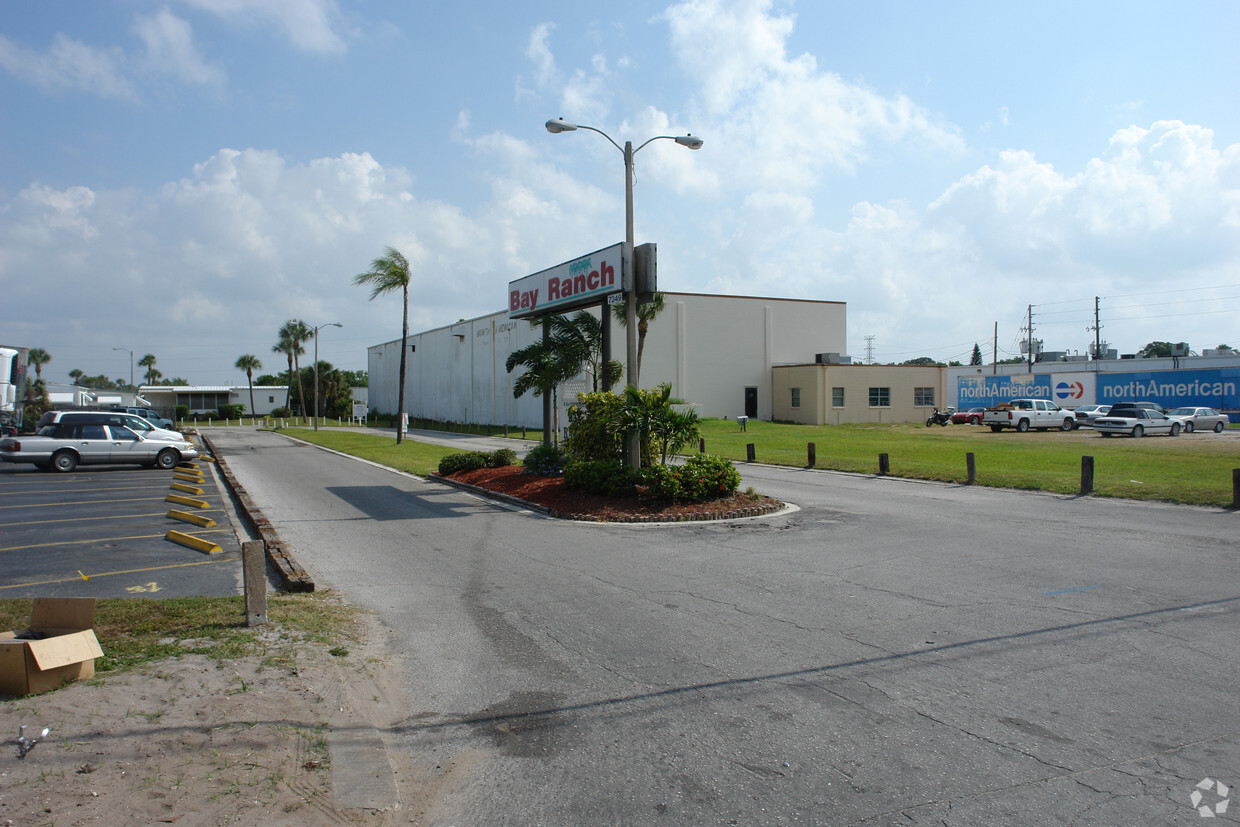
[837, 397]
[923, 397]
[796, 397]
[271, 399]
[880, 397]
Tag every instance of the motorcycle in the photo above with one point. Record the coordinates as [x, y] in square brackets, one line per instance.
[939, 418]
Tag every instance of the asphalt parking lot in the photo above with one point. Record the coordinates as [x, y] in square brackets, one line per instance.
[102, 532]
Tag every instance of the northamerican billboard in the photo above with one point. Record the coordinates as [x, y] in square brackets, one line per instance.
[1210, 387]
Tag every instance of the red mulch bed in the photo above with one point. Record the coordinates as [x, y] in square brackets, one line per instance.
[550, 493]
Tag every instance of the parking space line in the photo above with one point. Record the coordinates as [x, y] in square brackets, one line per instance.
[87, 502]
[99, 540]
[159, 513]
[81, 576]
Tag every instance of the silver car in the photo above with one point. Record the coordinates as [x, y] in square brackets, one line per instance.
[137, 424]
[1136, 422]
[65, 445]
[1200, 419]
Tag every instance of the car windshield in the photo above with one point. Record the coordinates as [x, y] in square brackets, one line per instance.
[1183, 412]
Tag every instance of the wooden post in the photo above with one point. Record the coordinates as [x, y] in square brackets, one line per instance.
[505, 432]
[813, 451]
[884, 465]
[749, 451]
[523, 432]
[701, 445]
[970, 464]
[254, 572]
[1235, 488]
[1087, 475]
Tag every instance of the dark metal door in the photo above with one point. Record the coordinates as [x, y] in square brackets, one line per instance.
[751, 403]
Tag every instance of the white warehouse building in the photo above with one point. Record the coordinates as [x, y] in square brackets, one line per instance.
[717, 353]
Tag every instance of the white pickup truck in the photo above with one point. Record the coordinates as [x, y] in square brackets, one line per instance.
[1023, 414]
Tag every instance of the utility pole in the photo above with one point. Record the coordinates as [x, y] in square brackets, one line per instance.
[1097, 329]
[869, 350]
[1029, 328]
[994, 352]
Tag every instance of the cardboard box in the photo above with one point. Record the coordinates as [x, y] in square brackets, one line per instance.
[59, 647]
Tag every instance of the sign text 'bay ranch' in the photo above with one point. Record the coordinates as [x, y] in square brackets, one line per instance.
[576, 283]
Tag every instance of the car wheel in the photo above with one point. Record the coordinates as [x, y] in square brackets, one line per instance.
[64, 461]
[1175, 429]
[1106, 434]
[975, 420]
[1188, 427]
[1023, 425]
[996, 428]
[1218, 427]
[167, 459]
[1138, 431]
[1068, 425]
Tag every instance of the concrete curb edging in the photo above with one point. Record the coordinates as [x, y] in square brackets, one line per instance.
[294, 577]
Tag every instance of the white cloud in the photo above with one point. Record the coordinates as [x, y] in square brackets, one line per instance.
[70, 64]
[310, 25]
[780, 121]
[170, 49]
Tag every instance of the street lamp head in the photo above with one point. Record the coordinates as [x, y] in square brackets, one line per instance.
[690, 141]
[558, 125]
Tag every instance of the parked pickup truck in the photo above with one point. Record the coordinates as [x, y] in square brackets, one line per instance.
[1023, 414]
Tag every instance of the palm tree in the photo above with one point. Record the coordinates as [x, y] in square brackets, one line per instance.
[297, 333]
[388, 273]
[646, 313]
[38, 357]
[249, 363]
[547, 364]
[285, 346]
[76, 375]
[148, 362]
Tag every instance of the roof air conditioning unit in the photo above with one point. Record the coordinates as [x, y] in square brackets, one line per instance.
[1179, 349]
[827, 359]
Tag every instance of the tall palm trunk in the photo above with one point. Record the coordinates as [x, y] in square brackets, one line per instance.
[404, 351]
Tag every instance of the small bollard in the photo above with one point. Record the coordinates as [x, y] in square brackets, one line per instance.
[254, 573]
[1087, 475]
[743, 421]
[970, 464]
[884, 465]
[1235, 488]
[505, 432]
[813, 452]
[749, 451]
[701, 445]
[523, 432]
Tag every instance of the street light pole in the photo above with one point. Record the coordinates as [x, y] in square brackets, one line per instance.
[632, 369]
[316, 369]
[130, 352]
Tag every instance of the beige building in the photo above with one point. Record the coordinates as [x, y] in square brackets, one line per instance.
[815, 394]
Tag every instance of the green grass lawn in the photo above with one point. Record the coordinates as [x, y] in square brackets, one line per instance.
[1194, 469]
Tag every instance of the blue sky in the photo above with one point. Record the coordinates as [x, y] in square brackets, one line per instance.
[181, 177]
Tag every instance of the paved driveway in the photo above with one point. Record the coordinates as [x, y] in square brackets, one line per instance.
[893, 652]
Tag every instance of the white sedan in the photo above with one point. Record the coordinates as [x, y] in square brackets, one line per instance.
[1199, 419]
[1137, 422]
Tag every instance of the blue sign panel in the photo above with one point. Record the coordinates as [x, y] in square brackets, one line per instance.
[973, 391]
[1213, 388]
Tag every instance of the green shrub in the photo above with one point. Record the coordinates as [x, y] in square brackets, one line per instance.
[182, 413]
[501, 458]
[590, 436]
[545, 461]
[705, 477]
[608, 477]
[662, 482]
[469, 461]
[230, 411]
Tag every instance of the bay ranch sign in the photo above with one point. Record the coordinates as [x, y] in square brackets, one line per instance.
[577, 283]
